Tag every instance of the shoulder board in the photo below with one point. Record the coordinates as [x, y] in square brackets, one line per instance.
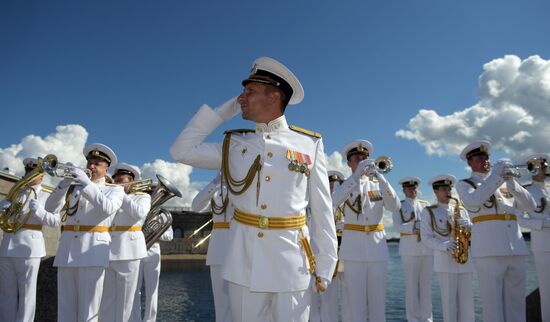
[432, 207]
[423, 201]
[107, 184]
[526, 185]
[547, 185]
[240, 131]
[140, 193]
[304, 131]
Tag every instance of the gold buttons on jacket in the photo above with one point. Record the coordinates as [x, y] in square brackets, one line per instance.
[268, 137]
[269, 154]
[260, 234]
[267, 178]
[263, 206]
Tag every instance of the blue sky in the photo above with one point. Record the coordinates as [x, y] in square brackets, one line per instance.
[132, 73]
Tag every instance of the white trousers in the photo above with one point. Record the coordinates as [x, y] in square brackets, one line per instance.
[457, 297]
[418, 285]
[542, 264]
[329, 300]
[79, 291]
[221, 294]
[247, 306]
[502, 287]
[365, 290]
[149, 272]
[18, 278]
[119, 290]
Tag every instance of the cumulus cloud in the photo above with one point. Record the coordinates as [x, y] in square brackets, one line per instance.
[512, 112]
[178, 174]
[67, 143]
[335, 161]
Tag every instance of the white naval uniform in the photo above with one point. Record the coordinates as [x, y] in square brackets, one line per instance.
[417, 261]
[149, 271]
[82, 257]
[217, 248]
[324, 306]
[365, 254]
[126, 250]
[497, 245]
[540, 241]
[267, 269]
[20, 255]
[455, 280]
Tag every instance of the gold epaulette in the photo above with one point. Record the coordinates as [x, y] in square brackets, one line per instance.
[239, 131]
[304, 131]
[47, 189]
[432, 207]
[424, 201]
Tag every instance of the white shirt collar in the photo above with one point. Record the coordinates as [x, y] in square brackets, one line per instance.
[539, 183]
[411, 200]
[274, 125]
[443, 205]
[99, 181]
[480, 175]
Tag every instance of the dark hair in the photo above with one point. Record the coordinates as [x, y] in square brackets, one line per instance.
[284, 98]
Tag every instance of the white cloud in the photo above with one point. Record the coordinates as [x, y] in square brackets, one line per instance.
[178, 174]
[335, 162]
[66, 143]
[512, 112]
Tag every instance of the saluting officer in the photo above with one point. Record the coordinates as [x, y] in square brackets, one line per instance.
[210, 199]
[492, 197]
[272, 175]
[126, 249]
[20, 254]
[364, 251]
[437, 231]
[539, 223]
[83, 252]
[417, 259]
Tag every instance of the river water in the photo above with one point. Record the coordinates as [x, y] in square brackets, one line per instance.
[187, 296]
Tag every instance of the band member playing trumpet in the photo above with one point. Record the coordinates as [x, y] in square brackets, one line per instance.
[364, 196]
[210, 199]
[21, 251]
[492, 197]
[539, 223]
[417, 259]
[126, 249]
[437, 232]
[83, 252]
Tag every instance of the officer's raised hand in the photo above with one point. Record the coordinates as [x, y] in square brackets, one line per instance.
[229, 109]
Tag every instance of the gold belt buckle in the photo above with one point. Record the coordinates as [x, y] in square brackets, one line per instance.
[507, 217]
[263, 222]
[76, 227]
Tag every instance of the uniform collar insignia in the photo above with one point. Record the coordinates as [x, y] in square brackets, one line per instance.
[275, 125]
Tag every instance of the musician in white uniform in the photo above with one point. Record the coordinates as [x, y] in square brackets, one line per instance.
[149, 273]
[272, 175]
[417, 259]
[210, 199]
[83, 252]
[539, 223]
[324, 306]
[492, 197]
[438, 233]
[127, 248]
[21, 251]
[364, 251]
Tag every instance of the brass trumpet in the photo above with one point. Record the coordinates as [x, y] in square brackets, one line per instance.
[139, 186]
[64, 170]
[532, 166]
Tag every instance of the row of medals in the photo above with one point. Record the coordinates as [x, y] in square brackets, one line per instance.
[300, 167]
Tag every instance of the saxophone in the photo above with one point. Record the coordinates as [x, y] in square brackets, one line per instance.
[460, 235]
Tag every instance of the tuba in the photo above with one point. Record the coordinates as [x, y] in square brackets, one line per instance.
[12, 218]
[460, 235]
[158, 220]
